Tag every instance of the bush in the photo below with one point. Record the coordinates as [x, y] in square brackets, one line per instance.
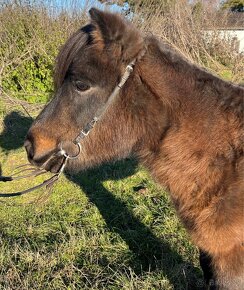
[30, 36]
[31, 80]
[185, 27]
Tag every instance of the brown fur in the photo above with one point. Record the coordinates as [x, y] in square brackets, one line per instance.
[182, 123]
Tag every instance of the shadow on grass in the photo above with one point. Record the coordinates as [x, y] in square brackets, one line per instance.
[149, 252]
[14, 131]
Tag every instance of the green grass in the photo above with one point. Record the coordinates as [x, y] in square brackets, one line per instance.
[107, 228]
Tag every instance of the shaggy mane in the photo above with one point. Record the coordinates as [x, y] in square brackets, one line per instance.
[67, 53]
[229, 95]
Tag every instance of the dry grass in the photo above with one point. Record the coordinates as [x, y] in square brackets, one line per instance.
[185, 28]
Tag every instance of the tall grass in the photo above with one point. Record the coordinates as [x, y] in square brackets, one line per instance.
[186, 27]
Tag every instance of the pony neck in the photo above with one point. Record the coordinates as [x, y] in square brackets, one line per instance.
[186, 87]
[198, 106]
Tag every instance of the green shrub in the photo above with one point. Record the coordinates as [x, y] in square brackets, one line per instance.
[31, 80]
[30, 37]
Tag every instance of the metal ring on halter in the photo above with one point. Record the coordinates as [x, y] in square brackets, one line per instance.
[63, 152]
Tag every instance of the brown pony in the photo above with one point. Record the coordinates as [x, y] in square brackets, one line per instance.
[183, 123]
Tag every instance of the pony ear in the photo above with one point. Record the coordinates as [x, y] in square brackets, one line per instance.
[113, 30]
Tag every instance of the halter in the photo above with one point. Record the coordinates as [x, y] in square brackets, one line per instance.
[48, 183]
[87, 129]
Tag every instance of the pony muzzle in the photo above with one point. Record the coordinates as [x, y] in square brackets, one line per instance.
[39, 147]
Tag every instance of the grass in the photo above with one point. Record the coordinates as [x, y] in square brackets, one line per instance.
[107, 228]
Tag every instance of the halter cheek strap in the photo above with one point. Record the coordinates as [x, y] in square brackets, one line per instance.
[87, 129]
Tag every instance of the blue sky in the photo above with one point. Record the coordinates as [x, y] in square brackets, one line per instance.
[80, 4]
[85, 4]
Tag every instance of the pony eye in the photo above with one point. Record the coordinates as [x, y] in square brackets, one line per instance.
[81, 86]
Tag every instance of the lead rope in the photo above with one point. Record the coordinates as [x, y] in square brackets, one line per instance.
[48, 183]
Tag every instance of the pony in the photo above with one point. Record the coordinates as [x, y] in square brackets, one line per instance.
[184, 124]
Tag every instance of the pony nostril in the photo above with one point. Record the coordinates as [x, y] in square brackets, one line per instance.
[29, 149]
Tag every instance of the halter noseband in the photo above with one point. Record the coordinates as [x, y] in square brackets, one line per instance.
[83, 133]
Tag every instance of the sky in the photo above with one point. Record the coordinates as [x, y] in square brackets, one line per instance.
[85, 4]
[82, 4]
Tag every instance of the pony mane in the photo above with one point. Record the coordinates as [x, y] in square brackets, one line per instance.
[68, 51]
[228, 94]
